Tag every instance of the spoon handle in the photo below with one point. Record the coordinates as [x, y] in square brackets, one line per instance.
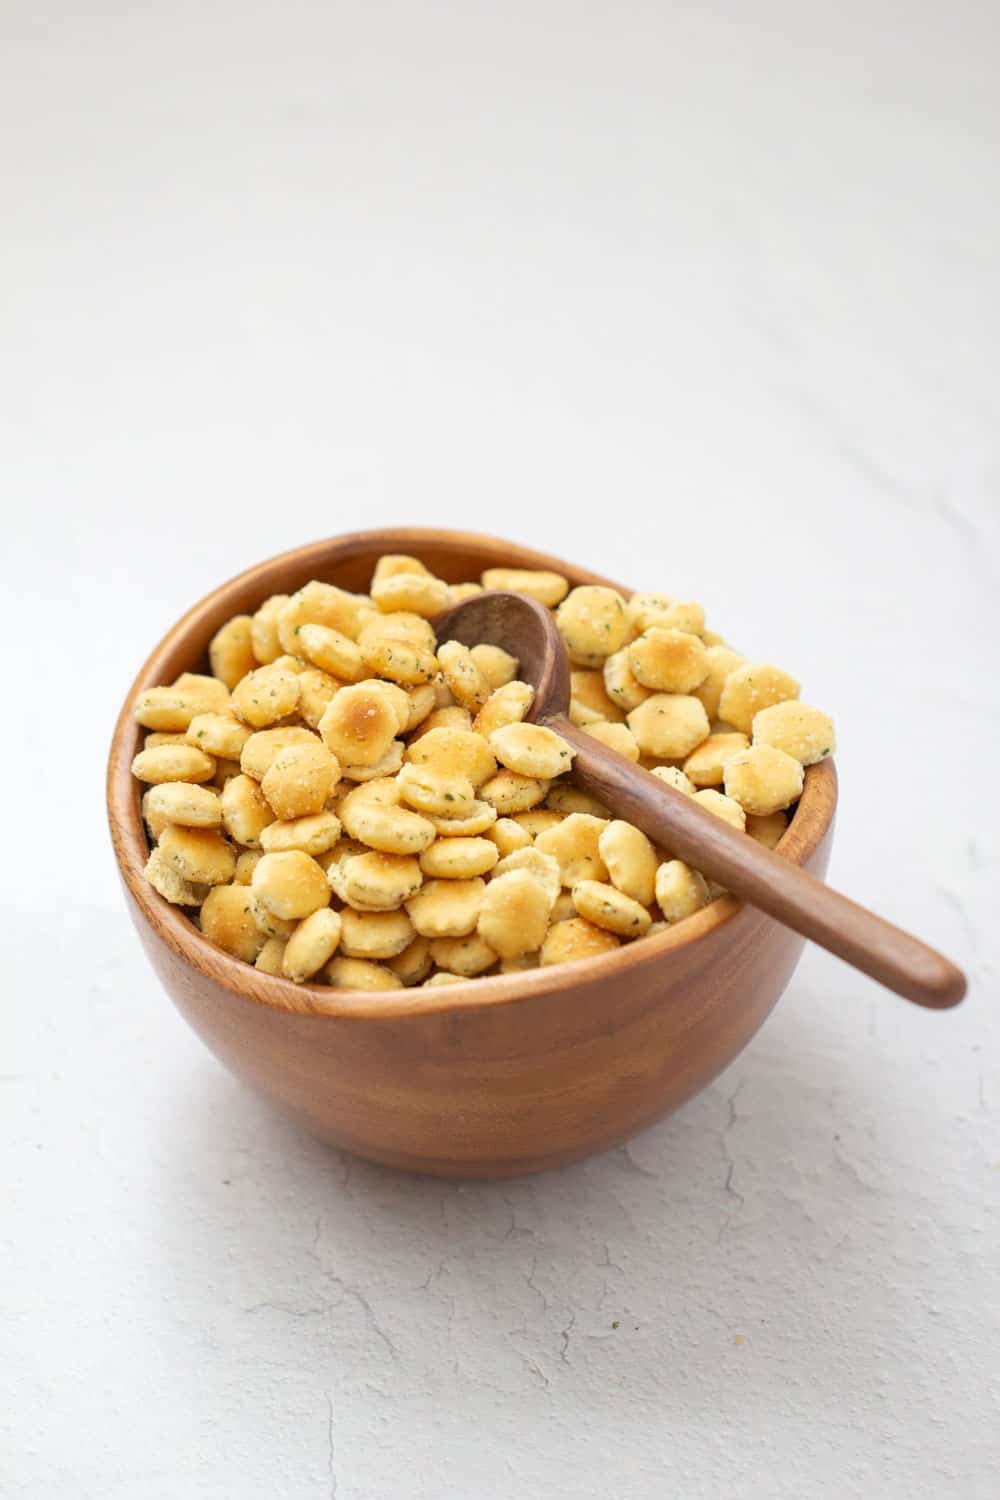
[761, 877]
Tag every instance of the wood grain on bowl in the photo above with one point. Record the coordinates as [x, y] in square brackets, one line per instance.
[494, 1077]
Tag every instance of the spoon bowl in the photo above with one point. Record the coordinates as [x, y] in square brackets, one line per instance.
[524, 628]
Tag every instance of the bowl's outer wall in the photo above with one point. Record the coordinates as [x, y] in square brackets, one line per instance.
[507, 1088]
[512, 1087]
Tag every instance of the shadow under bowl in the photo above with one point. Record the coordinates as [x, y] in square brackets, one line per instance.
[494, 1077]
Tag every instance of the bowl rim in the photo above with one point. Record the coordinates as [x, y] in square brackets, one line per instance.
[805, 832]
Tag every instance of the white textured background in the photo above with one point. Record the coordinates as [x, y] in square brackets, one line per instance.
[707, 296]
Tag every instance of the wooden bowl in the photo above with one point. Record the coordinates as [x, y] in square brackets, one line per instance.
[489, 1078]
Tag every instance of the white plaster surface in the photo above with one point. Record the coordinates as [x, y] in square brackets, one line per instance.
[706, 295]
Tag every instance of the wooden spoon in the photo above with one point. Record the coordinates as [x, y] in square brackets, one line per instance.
[674, 821]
